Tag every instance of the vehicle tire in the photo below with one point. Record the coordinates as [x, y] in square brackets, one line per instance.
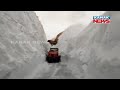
[48, 59]
[59, 58]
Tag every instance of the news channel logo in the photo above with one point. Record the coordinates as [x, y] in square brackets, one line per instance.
[101, 19]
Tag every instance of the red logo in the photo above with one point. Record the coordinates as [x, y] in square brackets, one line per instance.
[101, 19]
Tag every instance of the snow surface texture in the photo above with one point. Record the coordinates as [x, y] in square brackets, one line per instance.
[19, 60]
[87, 52]
[94, 52]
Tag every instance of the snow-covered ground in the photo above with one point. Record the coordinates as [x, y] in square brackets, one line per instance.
[94, 52]
[87, 52]
[19, 60]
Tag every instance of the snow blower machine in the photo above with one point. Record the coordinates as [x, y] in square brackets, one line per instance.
[53, 56]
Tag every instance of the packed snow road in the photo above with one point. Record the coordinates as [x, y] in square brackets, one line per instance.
[63, 70]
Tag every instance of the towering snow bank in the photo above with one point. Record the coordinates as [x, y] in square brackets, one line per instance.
[96, 49]
[21, 43]
[67, 38]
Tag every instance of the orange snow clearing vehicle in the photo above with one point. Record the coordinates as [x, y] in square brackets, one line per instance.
[53, 56]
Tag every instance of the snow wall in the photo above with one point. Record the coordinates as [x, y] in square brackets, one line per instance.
[95, 50]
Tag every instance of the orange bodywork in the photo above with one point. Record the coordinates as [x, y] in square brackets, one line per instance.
[53, 54]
